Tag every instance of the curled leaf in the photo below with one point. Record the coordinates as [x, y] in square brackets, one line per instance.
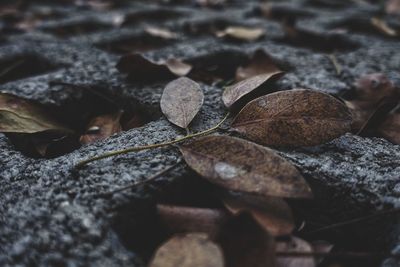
[181, 101]
[271, 213]
[242, 33]
[190, 250]
[101, 127]
[298, 117]
[19, 115]
[260, 63]
[140, 68]
[239, 165]
[294, 245]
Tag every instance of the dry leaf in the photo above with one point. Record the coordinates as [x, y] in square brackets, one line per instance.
[236, 91]
[160, 32]
[271, 213]
[246, 244]
[190, 250]
[260, 63]
[298, 117]
[178, 219]
[372, 88]
[140, 68]
[19, 115]
[181, 101]
[294, 245]
[101, 127]
[390, 128]
[382, 26]
[392, 7]
[242, 33]
[239, 165]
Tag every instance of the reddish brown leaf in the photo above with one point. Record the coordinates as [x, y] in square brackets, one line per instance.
[140, 68]
[181, 101]
[190, 250]
[101, 127]
[297, 117]
[243, 166]
[372, 88]
[260, 63]
[242, 33]
[271, 213]
[178, 219]
[294, 245]
[390, 128]
[392, 7]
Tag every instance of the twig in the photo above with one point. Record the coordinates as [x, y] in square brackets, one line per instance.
[348, 255]
[335, 63]
[139, 148]
[353, 221]
[12, 67]
[151, 178]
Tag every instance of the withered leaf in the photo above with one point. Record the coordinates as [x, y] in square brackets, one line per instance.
[236, 91]
[392, 7]
[140, 68]
[298, 117]
[372, 88]
[294, 245]
[271, 213]
[242, 33]
[101, 127]
[19, 115]
[179, 219]
[390, 128]
[239, 165]
[383, 27]
[190, 250]
[260, 63]
[160, 32]
[181, 101]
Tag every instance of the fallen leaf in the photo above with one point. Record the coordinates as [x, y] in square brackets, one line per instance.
[101, 127]
[383, 27]
[181, 101]
[19, 115]
[190, 250]
[294, 245]
[390, 128]
[298, 117]
[372, 88]
[239, 165]
[271, 213]
[246, 244]
[235, 92]
[392, 7]
[260, 63]
[160, 32]
[140, 68]
[178, 219]
[242, 33]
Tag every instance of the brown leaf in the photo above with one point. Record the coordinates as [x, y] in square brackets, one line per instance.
[181, 101]
[190, 250]
[271, 213]
[246, 244]
[140, 68]
[383, 27]
[243, 166]
[294, 245]
[298, 117]
[372, 88]
[235, 92]
[390, 128]
[101, 127]
[178, 219]
[242, 33]
[160, 32]
[392, 7]
[260, 63]
[19, 115]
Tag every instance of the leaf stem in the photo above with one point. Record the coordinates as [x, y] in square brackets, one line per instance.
[139, 148]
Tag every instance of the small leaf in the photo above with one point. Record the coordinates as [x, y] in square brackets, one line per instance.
[372, 88]
[181, 101]
[297, 117]
[160, 32]
[242, 33]
[140, 68]
[271, 213]
[178, 219]
[260, 63]
[190, 250]
[235, 92]
[392, 7]
[19, 115]
[383, 27]
[294, 245]
[101, 127]
[390, 128]
[239, 165]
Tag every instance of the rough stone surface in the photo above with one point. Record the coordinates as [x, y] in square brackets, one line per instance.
[54, 215]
